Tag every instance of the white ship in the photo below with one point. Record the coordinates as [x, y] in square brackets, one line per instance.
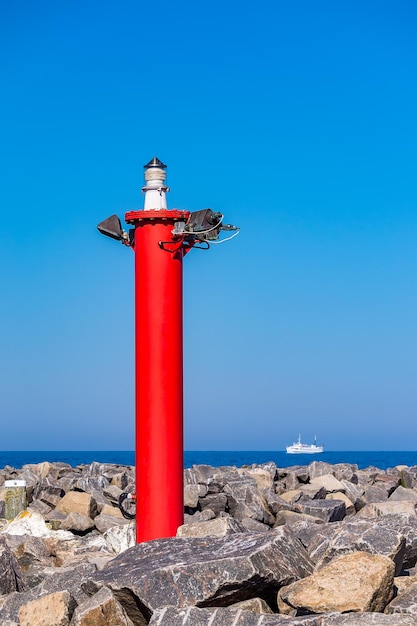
[304, 448]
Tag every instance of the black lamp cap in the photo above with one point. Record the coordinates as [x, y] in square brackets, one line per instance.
[155, 162]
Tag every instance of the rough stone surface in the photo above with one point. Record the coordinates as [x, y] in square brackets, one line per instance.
[327, 510]
[77, 522]
[170, 616]
[54, 609]
[352, 582]
[218, 527]
[102, 609]
[202, 571]
[406, 525]
[331, 540]
[405, 602]
[63, 579]
[11, 575]
[78, 502]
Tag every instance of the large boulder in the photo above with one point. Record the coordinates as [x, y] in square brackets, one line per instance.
[12, 577]
[56, 579]
[219, 527]
[54, 609]
[326, 510]
[353, 582]
[406, 525]
[78, 502]
[193, 616]
[102, 609]
[245, 500]
[331, 540]
[208, 571]
[405, 602]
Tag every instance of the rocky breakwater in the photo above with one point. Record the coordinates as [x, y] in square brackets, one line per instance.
[312, 545]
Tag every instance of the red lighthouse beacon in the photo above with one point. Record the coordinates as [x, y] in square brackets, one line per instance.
[160, 238]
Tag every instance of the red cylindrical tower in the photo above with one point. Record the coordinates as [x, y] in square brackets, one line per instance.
[160, 239]
[159, 363]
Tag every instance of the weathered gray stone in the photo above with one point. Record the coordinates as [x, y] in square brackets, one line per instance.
[57, 579]
[255, 605]
[78, 523]
[389, 507]
[203, 572]
[367, 619]
[406, 525]
[378, 492]
[215, 502]
[352, 582]
[405, 602]
[12, 577]
[253, 526]
[199, 516]
[112, 493]
[245, 500]
[193, 616]
[313, 492]
[219, 527]
[103, 522]
[332, 540]
[327, 510]
[328, 482]
[192, 493]
[408, 477]
[276, 503]
[338, 495]
[102, 609]
[293, 517]
[401, 494]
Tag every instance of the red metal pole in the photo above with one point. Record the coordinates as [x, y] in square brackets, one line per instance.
[159, 373]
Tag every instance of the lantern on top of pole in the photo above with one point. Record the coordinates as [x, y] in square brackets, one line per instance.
[160, 239]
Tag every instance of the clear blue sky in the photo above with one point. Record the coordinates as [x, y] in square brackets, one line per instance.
[298, 121]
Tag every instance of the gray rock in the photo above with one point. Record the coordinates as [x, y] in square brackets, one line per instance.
[327, 510]
[215, 501]
[406, 524]
[367, 619]
[378, 492]
[219, 527]
[332, 540]
[202, 572]
[102, 609]
[61, 579]
[170, 616]
[405, 602]
[199, 516]
[192, 493]
[253, 526]
[78, 523]
[103, 523]
[12, 577]
[401, 494]
[245, 500]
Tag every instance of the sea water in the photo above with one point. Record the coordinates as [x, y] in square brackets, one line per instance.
[380, 459]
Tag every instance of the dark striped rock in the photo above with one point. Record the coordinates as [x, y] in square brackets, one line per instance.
[332, 540]
[246, 500]
[213, 571]
[193, 616]
[326, 510]
[406, 524]
[405, 602]
[12, 577]
[61, 579]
